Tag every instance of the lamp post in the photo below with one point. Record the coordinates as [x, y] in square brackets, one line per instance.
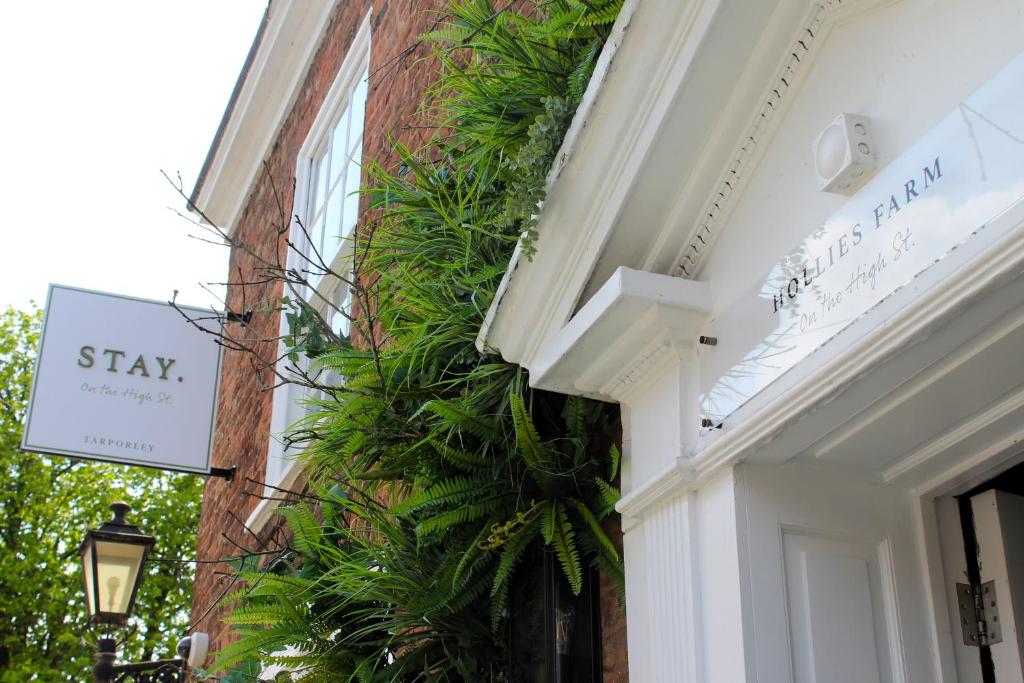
[113, 558]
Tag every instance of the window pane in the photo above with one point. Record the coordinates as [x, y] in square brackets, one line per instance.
[316, 235]
[358, 106]
[340, 324]
[319, 185]
[339, 145]
[351, 195]
[332, 234]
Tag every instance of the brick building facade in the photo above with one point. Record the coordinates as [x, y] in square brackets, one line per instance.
[248, 187]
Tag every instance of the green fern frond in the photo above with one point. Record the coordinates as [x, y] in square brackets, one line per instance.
[535, 454]
[499, 605]
[603, 16]
[575, 413]
[564, 24]
[456, 416]
[305, 528]
[449, 35]
[464, 460]
[473, 550]
[511, 554]
[549, 520]
[594, 527]
[461, 515]
[614, 459]
[609, 496]
[580, 76]
[564, 542]
[454, 491]
[467, 593]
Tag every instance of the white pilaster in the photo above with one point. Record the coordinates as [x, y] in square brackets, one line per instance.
[662, 606]
[681, 552]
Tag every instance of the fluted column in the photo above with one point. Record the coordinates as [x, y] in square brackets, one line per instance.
[680, 540]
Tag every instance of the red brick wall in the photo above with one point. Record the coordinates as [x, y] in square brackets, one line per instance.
[399, 75]
[397, 80]
[614, 663]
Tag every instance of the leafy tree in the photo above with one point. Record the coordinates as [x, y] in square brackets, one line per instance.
[46, 506]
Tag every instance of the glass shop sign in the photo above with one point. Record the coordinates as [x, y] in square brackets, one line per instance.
[960, 177]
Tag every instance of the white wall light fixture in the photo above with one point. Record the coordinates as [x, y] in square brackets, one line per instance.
[844, 155]
[194, 648]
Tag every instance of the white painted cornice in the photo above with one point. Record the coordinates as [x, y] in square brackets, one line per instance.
[629, 328]
[701, 229]
[264, 95]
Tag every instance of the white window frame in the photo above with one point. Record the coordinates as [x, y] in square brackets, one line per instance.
[281, 468]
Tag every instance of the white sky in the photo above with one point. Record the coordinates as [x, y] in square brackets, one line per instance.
[97, 98]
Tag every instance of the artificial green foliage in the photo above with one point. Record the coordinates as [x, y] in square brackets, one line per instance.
[46, 506]
[441, 475]
[512, 77]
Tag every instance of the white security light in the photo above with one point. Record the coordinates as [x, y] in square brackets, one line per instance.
[844, 154]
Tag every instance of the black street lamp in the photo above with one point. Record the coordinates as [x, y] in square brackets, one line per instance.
[113, 557]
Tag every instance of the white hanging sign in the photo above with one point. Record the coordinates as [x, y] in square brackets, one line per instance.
[123, 380]
[959, 178]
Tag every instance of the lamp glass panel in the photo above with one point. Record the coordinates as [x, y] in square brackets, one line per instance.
[90, 591]
[117, 569]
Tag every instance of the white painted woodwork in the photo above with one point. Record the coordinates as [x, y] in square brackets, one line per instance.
[723, 628]
[999, 528]
[818, 542]
[633, 323]
[836, 629]
[684, 587]
[802, 541]
[661, 545]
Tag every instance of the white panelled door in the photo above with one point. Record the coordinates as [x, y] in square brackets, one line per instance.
[835, 588]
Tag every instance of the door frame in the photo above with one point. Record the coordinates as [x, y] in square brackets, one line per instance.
[965, 475]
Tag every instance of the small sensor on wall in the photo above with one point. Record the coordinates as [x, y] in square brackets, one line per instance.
[844, 155]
